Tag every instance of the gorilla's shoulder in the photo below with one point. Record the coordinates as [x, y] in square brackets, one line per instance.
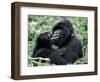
[75, 43]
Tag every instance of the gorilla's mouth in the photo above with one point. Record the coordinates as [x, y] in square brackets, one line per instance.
[53, 38]
[57, 41]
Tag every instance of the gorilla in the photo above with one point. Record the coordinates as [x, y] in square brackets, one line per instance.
[61, 46]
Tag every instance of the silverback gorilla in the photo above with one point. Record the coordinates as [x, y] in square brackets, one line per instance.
[61, 47]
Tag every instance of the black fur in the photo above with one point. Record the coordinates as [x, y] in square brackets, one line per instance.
[61, 47]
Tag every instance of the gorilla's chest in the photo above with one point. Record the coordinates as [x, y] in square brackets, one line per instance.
[59, 50]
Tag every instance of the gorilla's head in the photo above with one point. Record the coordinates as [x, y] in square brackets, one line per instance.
[62, 32]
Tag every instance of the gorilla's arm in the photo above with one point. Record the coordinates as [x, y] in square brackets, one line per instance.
[70, 57]
[42, 41]
[54, 56]
[73, 51]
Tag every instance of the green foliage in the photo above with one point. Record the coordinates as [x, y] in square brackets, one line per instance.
[39, 24]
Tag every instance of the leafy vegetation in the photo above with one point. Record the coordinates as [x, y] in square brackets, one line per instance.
[39, 24]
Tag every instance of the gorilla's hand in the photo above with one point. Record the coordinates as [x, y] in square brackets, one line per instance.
[45, 36]
[44, 39]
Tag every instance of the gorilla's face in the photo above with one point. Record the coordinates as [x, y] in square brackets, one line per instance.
[60, 36]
